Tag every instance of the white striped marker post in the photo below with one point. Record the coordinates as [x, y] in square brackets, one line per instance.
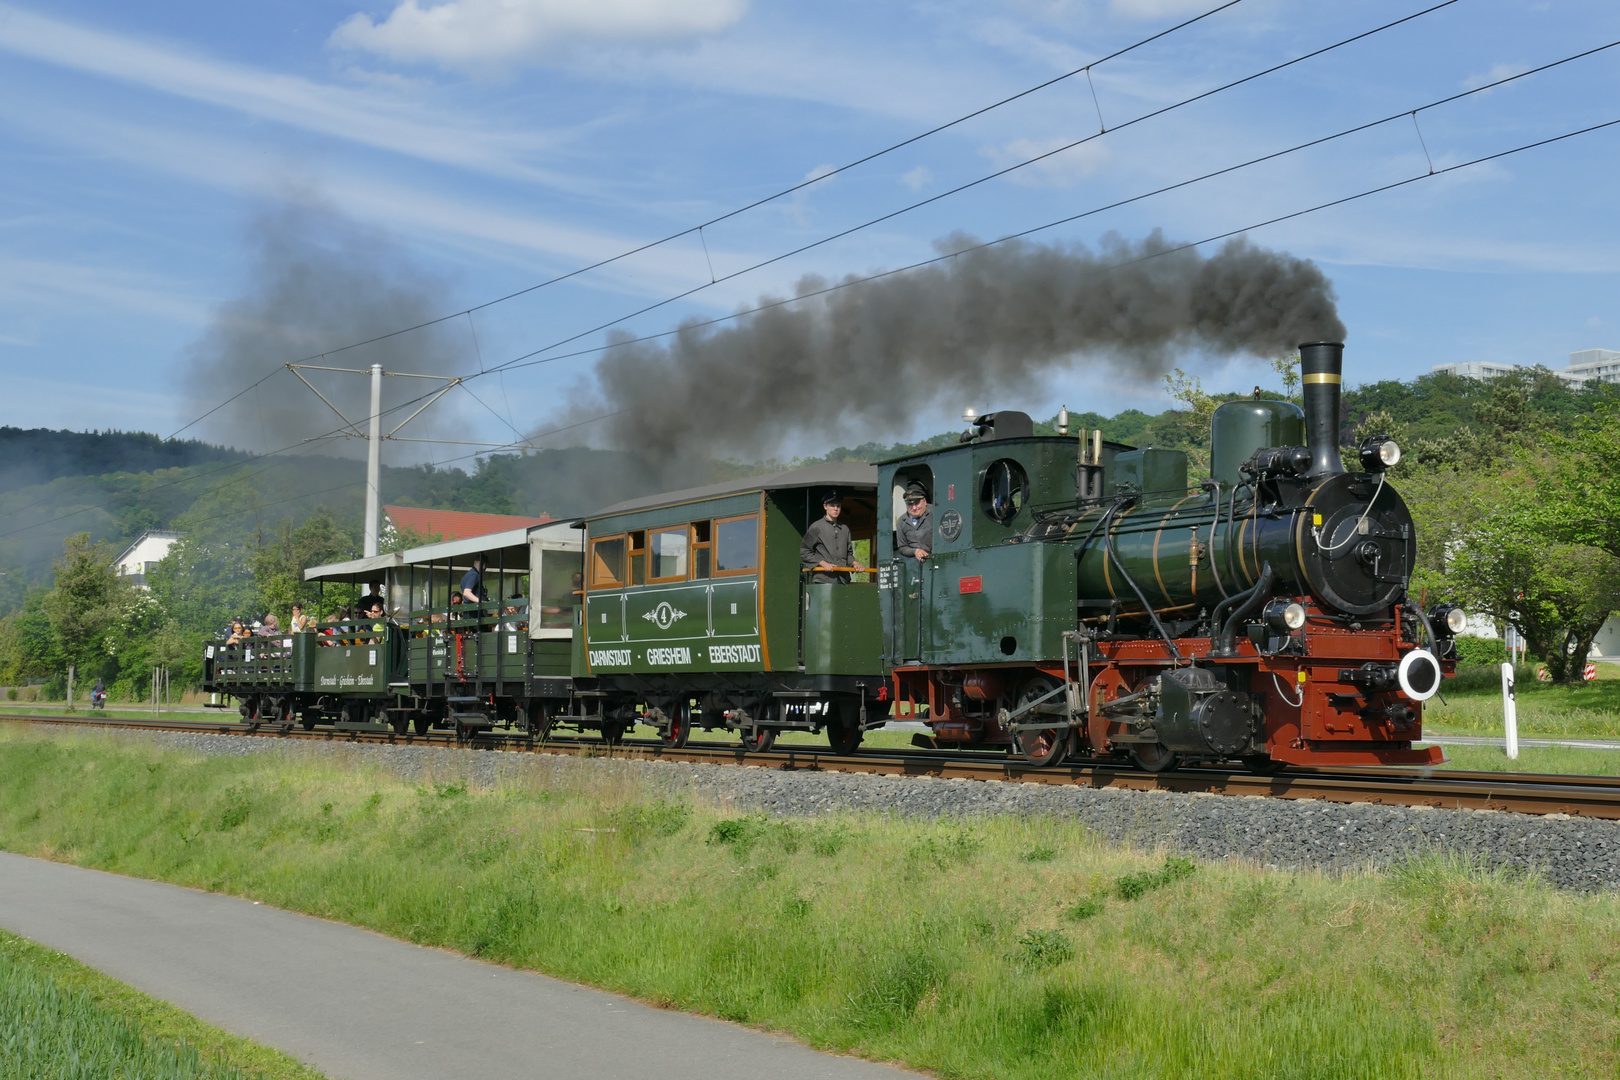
[1510, 713]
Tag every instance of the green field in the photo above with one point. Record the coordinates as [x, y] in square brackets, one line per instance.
[1473, 705]
[60, 1020]
[1003, 947]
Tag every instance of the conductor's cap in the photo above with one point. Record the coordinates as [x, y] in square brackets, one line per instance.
[915, 490]
[832, 498]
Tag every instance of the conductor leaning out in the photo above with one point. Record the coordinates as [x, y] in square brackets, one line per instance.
[827, 548]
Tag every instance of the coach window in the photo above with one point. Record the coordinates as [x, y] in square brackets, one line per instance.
[736, 545]
[702, 550]
[607, 562]
[638, 558]
[666, 554]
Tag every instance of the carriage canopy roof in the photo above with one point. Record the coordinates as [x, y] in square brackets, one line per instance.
[508, 550]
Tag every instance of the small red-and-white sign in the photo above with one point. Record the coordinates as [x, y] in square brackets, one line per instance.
[1543, 675]
[1589, 672]
[970, 584]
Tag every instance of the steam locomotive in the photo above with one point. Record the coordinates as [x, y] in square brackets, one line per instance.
[1080, 601]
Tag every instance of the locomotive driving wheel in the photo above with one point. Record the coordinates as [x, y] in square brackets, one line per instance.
[1042, 746]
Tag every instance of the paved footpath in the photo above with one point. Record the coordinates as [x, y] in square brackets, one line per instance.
[360, 1006]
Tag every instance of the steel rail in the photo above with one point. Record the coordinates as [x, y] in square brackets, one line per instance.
[1523, 793]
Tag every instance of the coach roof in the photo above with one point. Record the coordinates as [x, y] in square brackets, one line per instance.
[843, 474]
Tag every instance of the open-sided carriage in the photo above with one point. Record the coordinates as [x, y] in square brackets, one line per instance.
[433, 661]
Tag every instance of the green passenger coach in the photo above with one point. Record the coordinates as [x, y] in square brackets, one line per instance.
[697, 614]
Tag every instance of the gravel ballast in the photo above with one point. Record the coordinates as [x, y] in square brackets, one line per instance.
[1571, 853]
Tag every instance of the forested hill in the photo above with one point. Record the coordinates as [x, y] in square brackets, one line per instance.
[30, 456]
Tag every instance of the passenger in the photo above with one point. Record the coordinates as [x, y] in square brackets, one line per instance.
[914, 534]
[336, 626]
[271, 627]
[372, 612]
[238, 633]
[300, 621]
[472, 582]
[827, 548]
[473, 592]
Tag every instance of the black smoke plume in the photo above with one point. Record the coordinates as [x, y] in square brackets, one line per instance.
[318, 281]
[984, 326]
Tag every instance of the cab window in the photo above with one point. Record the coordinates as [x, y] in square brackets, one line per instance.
[736, 544]
[607, 562]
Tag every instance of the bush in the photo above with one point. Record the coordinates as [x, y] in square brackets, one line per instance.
[1480, 652]
[1131, 886]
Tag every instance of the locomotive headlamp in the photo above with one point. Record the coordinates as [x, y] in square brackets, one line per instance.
[1284, 615]
[970, 415]
[1379, 452]
[1448, 620]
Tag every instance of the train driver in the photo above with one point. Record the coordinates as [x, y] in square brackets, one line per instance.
[914, 534]
[827, 548]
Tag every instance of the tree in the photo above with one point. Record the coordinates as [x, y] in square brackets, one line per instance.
[84, 605]
[278, 566]
[1557, 595]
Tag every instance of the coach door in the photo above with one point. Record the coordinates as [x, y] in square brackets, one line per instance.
[912, 595]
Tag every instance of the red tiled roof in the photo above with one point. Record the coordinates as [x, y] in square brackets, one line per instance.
[457, 524]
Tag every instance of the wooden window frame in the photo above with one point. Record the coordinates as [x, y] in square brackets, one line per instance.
[590, 580]
[696, 545]
[759, 544]
[686, 574]
[631, 553]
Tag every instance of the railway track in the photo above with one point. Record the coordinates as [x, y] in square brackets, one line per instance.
[1524, 793]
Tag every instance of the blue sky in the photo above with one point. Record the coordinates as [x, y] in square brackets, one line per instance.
[487, 145]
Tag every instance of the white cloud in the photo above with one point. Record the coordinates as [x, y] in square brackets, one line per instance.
[367, 117]
[43, 282]
[1063, 169]
[918, 178]
[469, 34]
[1153, 9]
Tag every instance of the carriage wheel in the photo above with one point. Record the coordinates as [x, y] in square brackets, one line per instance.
[760, 740]
[421, 721]
[1044, 746]
[1156, 758]
[844, 733]
[1263, 765]
[310, 717]
[252, 710]
[399, 721]
[283, 709]
[679, 728]
[612, 732]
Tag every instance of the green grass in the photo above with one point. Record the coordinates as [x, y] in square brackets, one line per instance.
[1473, 705]
[1002, 947]
[1534, 759]
[60, 1020]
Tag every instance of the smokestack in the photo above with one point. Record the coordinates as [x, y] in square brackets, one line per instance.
[1321, 365]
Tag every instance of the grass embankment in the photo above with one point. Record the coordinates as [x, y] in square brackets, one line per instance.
[60, 1020]
[1473, 705]
[1534, 759]
[994, 948]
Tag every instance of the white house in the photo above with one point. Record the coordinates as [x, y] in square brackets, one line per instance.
[144, 553]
